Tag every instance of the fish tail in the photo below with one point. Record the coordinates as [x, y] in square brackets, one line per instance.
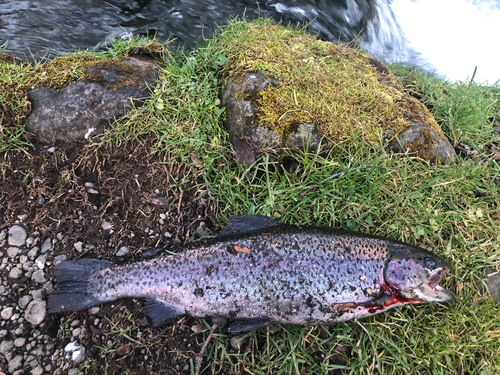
[74, 285]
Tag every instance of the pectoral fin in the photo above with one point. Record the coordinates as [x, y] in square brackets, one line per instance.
[161, 312]
[247, 324]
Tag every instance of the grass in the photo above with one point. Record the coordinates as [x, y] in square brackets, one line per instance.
[452, 210]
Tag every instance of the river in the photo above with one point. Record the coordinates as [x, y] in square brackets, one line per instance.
[450, 37]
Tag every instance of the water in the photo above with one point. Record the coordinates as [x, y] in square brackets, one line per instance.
[450, 37]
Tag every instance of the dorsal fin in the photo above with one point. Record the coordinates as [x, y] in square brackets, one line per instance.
[247, 223]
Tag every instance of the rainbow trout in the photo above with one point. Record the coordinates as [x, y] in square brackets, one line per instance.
[258, 272]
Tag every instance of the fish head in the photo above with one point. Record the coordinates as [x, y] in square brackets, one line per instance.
[415, 274]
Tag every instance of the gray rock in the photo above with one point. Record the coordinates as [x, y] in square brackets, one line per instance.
[23, 259]
[202, 230]
[7, 313]
[37, 371]
[13, 252]
[94, 310]
[38, 293]
[86, 107]
[36, 311]
[78, 246]
[122, 251]
[419, 139]
[40, 261]
[39, 277]
[24, 301]
[15, 363]
[6, 346]
[60, 258]
[46, 245]
[492, 281]
[75, 351]
[3, 235]
[15, 273]
[33, 252]
[19, 342]
[17, 236]
[73, 371]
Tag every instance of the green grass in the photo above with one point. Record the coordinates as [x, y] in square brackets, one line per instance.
[452, 210]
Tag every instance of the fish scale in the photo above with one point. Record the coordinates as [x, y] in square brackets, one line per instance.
[262, 274]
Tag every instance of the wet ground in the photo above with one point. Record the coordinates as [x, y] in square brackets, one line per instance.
[115, 202]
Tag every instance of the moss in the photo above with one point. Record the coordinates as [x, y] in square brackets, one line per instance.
[342, 91]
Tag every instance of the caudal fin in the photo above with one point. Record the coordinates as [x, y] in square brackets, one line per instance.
[73, 282]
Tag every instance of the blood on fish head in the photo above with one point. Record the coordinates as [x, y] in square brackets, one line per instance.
[415, 275]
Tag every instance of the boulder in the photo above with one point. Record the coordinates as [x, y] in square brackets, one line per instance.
[85, 108]
[302, 93]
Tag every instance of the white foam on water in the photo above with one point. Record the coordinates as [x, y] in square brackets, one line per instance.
[453, 36]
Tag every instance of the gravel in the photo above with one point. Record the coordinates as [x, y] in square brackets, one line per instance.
[17, 236]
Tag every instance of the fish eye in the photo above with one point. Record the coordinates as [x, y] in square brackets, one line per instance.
[429, 263]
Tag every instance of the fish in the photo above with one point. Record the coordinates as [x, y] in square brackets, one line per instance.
[257, 272]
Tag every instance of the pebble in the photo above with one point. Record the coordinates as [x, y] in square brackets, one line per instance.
[13, 252]
[15, 363]
[33, 252]
[39, 277]
[37, 371]
[6, 346]
[168, 234]
[163, 216]
[17, 236]
[3, 235]
[78, 246]
[94, 310]
[36, 311]
[60, 258]
[60, 236]
[46, 245]
[40, 261]
[76, 332]
[106, 225]
[20, 341]
[7, 313]
[76, 351]
[15, 273]
[122, 251]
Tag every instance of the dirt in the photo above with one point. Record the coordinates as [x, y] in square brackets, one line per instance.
[53, 194]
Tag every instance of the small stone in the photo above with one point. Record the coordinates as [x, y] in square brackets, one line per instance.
[36, 311]
[161, 221]
[122, 251]
[3, 235]
[22, 217]
[20, 341]
[73, 371]
[51, 150]
[40, 261]
[492, 282]
[15, 363]
[15, 273]
[7, 313]
[94, 310]
[46, 245]
[37, 371]
[202, 230]
[39, 277]
[106, 225]
[13, 252]
[41, 201]
[33, 252]
[23, 259]
[24, 301]
[60, 258]
[76, 332]
[168, 234]
[30, 241]
[6, 346]
[33, 362]
[60, 236]
[157, 192]
[76, 350]
[78, 246]
[3, 333]
[17, 236]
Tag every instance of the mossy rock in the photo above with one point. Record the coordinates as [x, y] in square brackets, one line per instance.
[286, 88]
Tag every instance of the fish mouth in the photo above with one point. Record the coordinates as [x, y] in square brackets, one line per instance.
[431, 291]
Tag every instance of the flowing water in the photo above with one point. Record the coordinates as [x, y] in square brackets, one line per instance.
[450, 37]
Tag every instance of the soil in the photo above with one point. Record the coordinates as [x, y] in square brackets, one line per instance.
[67, 196]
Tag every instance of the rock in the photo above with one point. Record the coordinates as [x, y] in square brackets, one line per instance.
[106, 225]
[13, 252]
[15, 363]
[6, 346]
[94, 310]
[492, 281]
[202, 230]
[6, 313]
[76, 351]
[24, 301]
[3, 235]
[78, 246]
[20, 341]
[322, 94]
[37, 371]
[40, 261]
[60, 258]
[86, 107]
[36, 311]
[122, 251]
[15, 273]
[17, 236]
[46, 245]
[423, 141]
[39, 277]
